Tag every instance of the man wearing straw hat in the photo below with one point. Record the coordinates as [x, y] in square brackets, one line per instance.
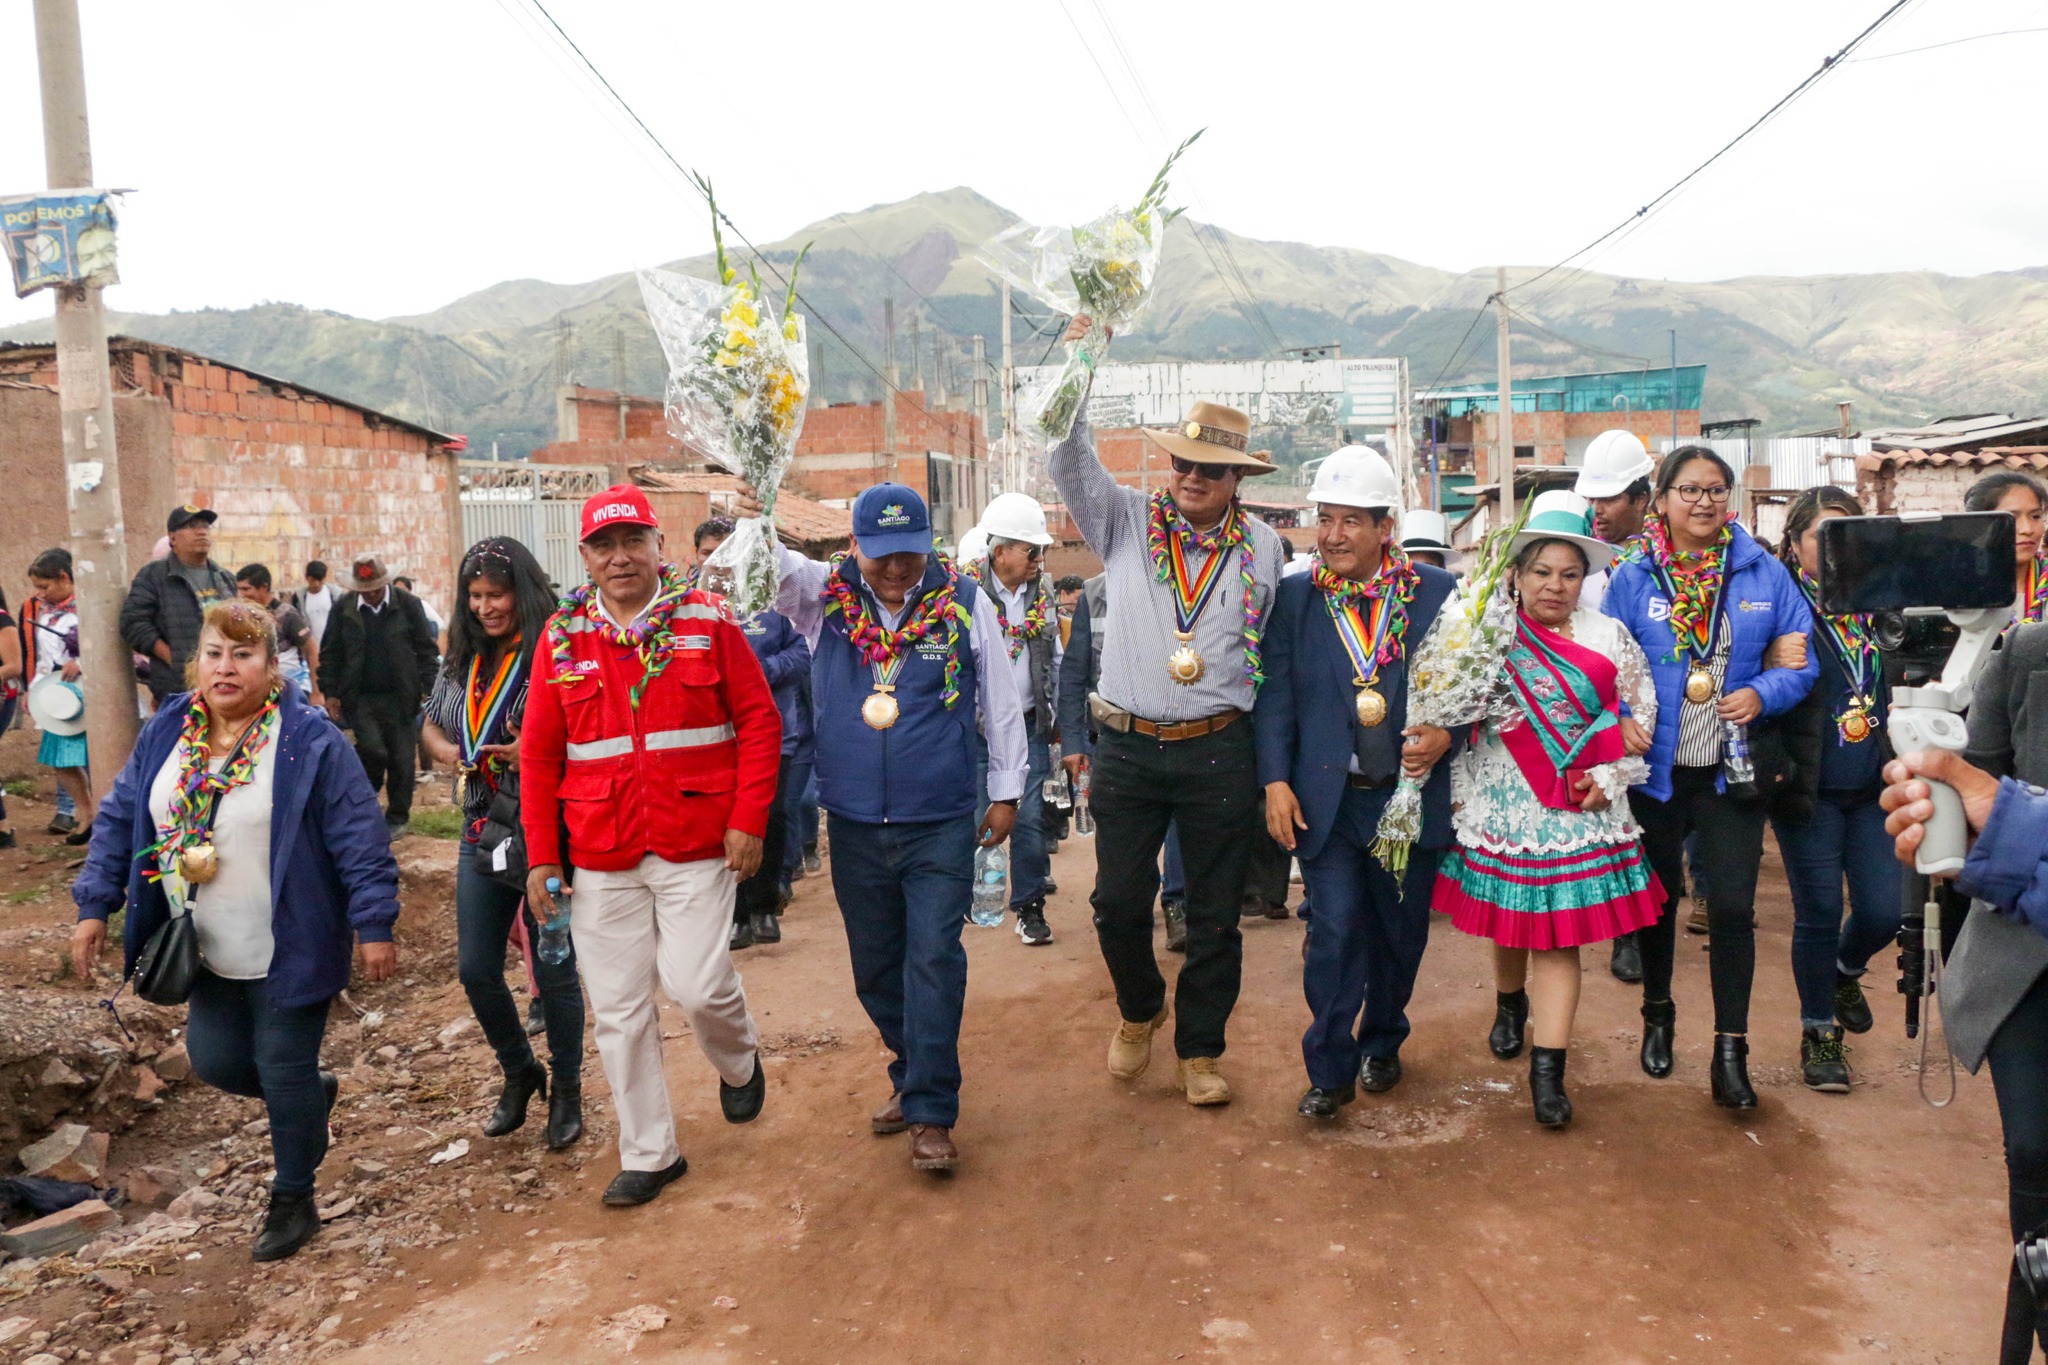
[1189, 577]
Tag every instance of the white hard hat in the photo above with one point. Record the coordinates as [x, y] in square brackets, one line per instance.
[1015, 516]
[1613, 461]
[1356, 476]
[974, 546]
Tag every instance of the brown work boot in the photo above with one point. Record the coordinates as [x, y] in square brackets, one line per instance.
[1202, 1080]
[1130, 1052]
[931, 1148]
[889, 1118]
[1696, 922]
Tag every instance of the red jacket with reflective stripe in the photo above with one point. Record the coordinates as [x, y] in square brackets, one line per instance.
[698, 757]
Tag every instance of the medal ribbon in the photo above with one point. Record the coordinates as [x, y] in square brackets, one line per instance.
[1362, 641]
[1855, 645]
[886, 647]
[1192, 591]
[483, 707]
[1694, 585]
[199, 790]
[2034, 601]
[1166, 530]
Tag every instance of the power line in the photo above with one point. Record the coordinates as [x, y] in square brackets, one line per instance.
[1827, 64]
[1640, 362]
[1973, 38]
[1458, 351]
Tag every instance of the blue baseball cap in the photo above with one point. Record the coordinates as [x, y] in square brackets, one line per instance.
[890, 519]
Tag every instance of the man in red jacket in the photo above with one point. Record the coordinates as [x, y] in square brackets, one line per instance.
[652, 738]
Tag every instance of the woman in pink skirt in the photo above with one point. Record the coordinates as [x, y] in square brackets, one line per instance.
[1549, 857]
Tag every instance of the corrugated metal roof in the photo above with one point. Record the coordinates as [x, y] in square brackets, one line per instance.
[1957, 433]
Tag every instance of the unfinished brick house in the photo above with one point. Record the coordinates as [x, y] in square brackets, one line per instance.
[295, 474]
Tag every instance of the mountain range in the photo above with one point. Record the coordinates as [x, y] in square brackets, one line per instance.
[1902, 346]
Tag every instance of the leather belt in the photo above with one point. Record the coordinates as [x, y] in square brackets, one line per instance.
[1112, 717]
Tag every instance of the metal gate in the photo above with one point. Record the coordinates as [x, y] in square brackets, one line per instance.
[535, 504]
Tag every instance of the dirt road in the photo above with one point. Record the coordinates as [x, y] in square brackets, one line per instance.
[1101, 1222]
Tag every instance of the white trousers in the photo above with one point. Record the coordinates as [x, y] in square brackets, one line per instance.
[666, 924]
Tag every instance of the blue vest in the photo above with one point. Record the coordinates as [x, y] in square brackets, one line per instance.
[922, 767]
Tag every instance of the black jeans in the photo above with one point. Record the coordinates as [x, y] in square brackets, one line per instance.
[387, 741]
[1731, 845]
[1209, 785]
[761, 894]
[484, 911]
[241, 1043]
[2019, 1074]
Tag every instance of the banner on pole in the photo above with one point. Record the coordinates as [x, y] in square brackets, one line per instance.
[62, 237]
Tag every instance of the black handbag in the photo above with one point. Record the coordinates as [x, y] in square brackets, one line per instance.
[501, 842]
[168, 965]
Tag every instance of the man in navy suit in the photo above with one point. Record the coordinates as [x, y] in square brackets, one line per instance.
[1333, 739]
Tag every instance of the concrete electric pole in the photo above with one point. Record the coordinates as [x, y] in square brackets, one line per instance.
[1009, 404]
[1504, 429]
[979, 389]
[85, 406]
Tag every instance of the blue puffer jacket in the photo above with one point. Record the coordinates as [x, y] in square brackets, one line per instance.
[1760, 604]
[332, 877]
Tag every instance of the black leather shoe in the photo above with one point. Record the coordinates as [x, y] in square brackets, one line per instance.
[565, 1114]
[637, 1187]
[742, 934]
[1852, 1011]
[1379, 1074]
[1627, 962]
[536, 1018]
[1546, 1087]
[1730, 1074]
[1660, 1021]
[742, 1103]
[521, 1086]
[291, 1223]
[1319, 1103]
[1510, 1017]
[330, 1086]
[767, 929]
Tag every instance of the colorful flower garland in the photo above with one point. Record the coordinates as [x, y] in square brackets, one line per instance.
[1856, 646]
[199, 790]
[1694, 581]
[2034, 601]
[879, 646]
[649, 637]
[1037, 616]
[1394, 585]
[1165, 523]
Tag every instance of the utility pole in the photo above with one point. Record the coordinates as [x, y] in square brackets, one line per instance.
[1504, 429]
[85, 407]
[1674, 388]
[888, 454]
[1009, 398]
[980, 391]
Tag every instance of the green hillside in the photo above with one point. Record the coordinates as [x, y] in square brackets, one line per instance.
[1784, 349]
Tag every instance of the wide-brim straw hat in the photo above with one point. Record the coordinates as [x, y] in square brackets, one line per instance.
[1213, 434]
[58, 706]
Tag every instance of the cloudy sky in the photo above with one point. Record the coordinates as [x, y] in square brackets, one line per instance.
[381, 158]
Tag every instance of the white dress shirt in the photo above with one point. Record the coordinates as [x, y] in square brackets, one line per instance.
[1001, 704]
[1013, 600]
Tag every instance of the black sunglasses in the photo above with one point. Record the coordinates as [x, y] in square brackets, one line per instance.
[1215, 473]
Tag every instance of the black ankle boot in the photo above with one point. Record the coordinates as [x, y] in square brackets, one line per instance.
[1510, 1017]
[520, 1086]
[1546, 1086]
[565, 1114]
[1731, 1072]
[291, 1223]
[1660, 1021]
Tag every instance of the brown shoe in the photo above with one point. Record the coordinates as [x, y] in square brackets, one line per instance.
[889, 1118]
[1696, 922]
[1202, 1081]
[931, 1148]
[1130, 1052]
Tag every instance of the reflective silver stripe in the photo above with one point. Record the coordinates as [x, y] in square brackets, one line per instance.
[576, 624]
[697, 611]
[689, 739]
[617, 747]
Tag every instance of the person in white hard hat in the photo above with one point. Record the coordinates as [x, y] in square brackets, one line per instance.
[1333, 741]
[1426, 537]
[1012, 572]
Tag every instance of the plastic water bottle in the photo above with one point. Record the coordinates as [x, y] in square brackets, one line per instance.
[1737, 768]
[1054, 789]
[991, 886]
[1084, 816]
[554, 945]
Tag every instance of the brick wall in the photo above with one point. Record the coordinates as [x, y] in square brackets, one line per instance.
[1898, 488]
[841, 449]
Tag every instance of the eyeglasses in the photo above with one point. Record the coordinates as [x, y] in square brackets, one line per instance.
[1215, 473]
[1692, 492]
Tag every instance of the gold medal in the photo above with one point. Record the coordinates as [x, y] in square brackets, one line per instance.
[1699, 685]
[880, 709]
[1855, 725]
[1372, 707]
[1185, 666]
[198, 864]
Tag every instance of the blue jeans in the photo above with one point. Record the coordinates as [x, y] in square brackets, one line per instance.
[1365, 944]
[65, 805]
[484, 911]
[1845, 838]
[1030, 864]
[241, 1043]
[799, 785]
[903, 891]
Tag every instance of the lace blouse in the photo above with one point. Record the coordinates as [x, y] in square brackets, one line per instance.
[1491, 804]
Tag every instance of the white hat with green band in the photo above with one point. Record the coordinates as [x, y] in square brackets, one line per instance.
[1561, 514]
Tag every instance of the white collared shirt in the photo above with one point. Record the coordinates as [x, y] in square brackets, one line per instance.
[1013, 600]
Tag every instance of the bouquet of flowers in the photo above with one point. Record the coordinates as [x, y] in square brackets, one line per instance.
[1454, 670]
[1103, 268]
[737, 382]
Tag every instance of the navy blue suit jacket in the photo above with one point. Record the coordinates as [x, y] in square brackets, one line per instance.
[1306, 719]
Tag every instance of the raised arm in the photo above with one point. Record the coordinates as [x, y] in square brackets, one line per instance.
[1092, 495]
[796, 596]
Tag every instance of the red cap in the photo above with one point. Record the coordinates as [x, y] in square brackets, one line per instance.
[620, 505]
